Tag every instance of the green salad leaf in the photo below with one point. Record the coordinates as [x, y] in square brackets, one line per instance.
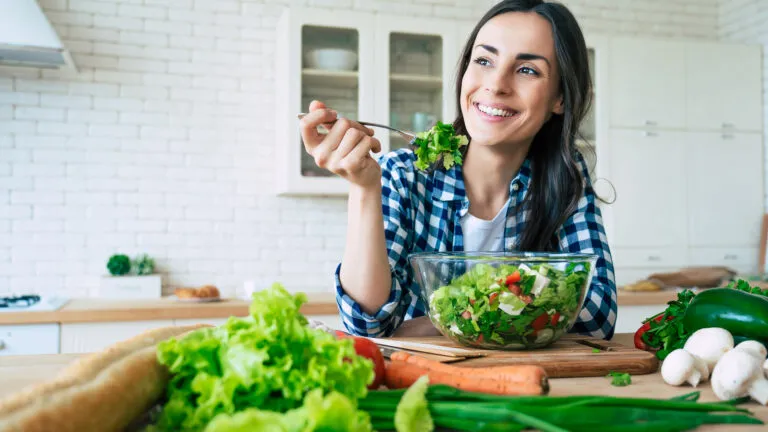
[269, 361]
[439, 141]
[333, 412]
[412, 413]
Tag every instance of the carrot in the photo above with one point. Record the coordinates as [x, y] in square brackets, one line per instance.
[400, 374]
[511, 374]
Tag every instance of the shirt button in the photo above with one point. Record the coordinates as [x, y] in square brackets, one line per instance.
[515, 187]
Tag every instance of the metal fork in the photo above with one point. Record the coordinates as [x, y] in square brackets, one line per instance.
[408, 136]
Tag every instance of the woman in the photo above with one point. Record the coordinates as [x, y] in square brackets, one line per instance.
[523, 88]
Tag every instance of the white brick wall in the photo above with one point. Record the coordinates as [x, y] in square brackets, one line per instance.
[747, 21]
[163, 143]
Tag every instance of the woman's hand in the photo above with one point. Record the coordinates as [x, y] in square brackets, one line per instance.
[344, 151]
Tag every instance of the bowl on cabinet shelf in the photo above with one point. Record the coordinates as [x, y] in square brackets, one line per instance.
[337, 59]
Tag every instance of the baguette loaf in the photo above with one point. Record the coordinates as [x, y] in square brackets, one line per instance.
[77, 380]
[108, 402]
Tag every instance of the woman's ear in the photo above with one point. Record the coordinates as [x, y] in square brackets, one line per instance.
[558, 108]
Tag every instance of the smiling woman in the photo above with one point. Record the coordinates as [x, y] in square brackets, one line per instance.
[523, 88]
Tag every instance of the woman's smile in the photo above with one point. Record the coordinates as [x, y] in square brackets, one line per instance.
[495, 113]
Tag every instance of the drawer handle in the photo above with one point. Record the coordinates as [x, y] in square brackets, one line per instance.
[654, 258]
[728, 136]
[650, 134]
[727, 125]
[731, 257]
[650, 123]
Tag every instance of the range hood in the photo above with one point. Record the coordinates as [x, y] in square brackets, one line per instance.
[28, 39]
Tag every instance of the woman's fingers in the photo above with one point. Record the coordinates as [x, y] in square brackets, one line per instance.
[308, 126]
[359, 156]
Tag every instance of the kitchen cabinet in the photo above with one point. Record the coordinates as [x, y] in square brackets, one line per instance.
[725, 205]
[723, 87]
[90, 337]
[28, 339]
[648, 82]
[326, 55]
[648, 173]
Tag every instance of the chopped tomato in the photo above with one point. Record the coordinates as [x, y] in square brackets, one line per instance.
[513, 278]
[526, 299]
[540, 321]
[515, 289]
[466, 314]
[555, 318]
[480, 338]
[493, 297]
[472, 301]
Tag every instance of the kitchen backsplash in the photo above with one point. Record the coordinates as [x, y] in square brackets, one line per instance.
[162, 143]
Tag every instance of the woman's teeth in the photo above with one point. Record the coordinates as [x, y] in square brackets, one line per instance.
[494, 111]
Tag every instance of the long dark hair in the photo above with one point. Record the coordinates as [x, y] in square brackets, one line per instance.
[556, 183]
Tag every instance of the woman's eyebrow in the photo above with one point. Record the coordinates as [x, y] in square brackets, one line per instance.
[521, 56]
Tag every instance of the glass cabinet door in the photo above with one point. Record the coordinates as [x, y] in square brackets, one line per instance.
[413, 90]
[585, 139]
[329, 73]
[415, 83]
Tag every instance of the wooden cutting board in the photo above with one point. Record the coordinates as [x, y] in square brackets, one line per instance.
[571, 356]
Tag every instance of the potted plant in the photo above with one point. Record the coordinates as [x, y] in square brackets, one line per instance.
[130, 278]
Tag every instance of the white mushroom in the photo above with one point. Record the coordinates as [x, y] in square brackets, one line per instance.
[709, 344]
[739, 374]
[753, 347]
[680, 366]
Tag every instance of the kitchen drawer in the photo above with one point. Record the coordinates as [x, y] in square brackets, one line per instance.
[739, 258]
[26, 339]
[90, 337]
[626, 276]
[650, 257]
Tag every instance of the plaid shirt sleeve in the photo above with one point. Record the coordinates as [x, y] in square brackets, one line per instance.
[584, 232]
[402, 300]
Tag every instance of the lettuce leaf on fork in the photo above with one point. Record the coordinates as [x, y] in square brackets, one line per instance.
[440, 141]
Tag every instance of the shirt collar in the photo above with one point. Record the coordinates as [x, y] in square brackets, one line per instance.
[449, 184]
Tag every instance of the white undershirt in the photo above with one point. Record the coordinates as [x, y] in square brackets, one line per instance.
[484, 235]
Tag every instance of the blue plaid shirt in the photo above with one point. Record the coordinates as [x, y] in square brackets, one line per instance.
[422, 213]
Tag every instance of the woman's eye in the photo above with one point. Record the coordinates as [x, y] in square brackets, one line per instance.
[482, 61]
[528, 71]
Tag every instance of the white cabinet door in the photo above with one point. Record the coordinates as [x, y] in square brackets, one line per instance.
[647, 83]
[724, 86]
[725, 198]
[27, 339]
[306, 74]
[647, 170]
[90, 337]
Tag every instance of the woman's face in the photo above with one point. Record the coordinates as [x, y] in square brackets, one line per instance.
[511, 85]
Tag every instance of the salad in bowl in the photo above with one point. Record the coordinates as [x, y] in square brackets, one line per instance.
[503, 300]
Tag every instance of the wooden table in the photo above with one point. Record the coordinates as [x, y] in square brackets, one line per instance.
[17, 372]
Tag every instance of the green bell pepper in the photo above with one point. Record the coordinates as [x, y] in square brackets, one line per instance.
[743, 314]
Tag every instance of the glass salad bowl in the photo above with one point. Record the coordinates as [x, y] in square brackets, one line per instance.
[509, 301]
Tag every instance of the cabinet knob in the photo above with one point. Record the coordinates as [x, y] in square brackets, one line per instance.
[650, 134]
[728, 125]
[728, 136]
[650, 123]
[654, 258]
[730, 257]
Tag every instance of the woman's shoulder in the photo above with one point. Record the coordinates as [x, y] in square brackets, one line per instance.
[400, 159]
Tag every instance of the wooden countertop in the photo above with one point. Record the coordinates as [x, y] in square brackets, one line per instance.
[19, 371]
[82, 310]
[105, 310]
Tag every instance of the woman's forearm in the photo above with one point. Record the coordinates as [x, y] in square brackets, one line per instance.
[365, 273]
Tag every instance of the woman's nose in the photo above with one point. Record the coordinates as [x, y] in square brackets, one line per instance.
[497, 83]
